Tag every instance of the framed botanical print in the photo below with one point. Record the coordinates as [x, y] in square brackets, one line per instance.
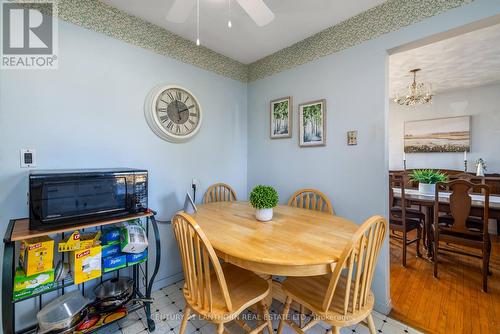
[281, 118]
[312, 123]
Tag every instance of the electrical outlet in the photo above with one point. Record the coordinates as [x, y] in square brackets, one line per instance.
[194, 181]
[28, 158]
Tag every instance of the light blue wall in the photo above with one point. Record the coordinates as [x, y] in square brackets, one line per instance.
[481, 103]
[89, 113]
[354, 84]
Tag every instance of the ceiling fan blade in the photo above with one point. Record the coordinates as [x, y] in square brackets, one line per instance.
[180, 11]
[258, 11]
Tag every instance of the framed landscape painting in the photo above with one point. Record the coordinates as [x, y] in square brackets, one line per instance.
[312, 124]
[438, 135]
[281, 118]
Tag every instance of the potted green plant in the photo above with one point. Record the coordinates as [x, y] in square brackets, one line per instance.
[264, 199]
[427, 179]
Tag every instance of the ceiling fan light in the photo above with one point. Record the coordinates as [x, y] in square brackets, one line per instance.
[229, 24]
[197, 42]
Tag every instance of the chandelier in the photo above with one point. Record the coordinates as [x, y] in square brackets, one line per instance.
[418, 93]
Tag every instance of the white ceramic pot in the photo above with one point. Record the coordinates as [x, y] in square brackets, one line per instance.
[427, 189]
[264, 215]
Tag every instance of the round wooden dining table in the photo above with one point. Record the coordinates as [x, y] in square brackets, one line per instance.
[296, 242]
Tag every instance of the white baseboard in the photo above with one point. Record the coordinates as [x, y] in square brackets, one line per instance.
[383, 308]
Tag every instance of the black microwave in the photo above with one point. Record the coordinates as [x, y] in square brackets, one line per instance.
[70, 197]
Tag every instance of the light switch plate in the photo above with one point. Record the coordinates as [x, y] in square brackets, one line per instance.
[28, 157]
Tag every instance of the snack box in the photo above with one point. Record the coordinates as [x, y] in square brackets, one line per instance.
[137, 258]
[25, 286]
[111, 235]
[86, 264]
[36, 255]
[110, 249]
[114, 262]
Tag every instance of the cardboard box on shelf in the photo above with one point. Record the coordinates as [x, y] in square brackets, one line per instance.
[25, 286]
[78, 241]
[36, 255]
[86, 264]
[110, 235]
[110, 249]
[137, 258]
[114, 262]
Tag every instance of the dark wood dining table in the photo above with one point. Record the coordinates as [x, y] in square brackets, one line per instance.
[426, 201]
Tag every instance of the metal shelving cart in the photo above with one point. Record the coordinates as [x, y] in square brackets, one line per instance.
[18, 230]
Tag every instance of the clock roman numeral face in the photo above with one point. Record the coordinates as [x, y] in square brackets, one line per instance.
[178, 112]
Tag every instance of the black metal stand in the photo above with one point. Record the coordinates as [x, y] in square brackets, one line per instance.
[8, 272]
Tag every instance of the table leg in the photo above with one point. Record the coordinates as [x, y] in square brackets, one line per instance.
[269, 299]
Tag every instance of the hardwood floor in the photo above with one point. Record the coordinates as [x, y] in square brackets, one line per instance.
[452, 303]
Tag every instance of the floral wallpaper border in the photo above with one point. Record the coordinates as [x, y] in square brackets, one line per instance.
[355, 30]
[100, 17]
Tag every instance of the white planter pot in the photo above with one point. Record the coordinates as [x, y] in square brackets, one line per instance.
[264, 215]
[428, 189]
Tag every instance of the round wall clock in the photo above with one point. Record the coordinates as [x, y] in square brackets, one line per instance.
[173, 113]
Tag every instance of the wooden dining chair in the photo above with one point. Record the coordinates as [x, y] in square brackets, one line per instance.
[219, 192]
[457, 226]
[311, 199]
[216, 292]
[343, 298]
[402, 218]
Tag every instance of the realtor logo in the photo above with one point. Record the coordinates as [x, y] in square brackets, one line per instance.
[29, 35]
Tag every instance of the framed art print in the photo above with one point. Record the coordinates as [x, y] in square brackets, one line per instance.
[451, 134]
[281, 118]
[312, 123]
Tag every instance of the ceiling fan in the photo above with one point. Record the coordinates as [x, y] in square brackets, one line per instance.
[256, 9]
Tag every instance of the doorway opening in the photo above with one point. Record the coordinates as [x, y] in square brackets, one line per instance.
[444, 116]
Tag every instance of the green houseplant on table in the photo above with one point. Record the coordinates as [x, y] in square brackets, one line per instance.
[427, 179]
[264, 199]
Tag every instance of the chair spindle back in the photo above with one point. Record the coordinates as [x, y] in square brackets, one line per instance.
[311, 199]
[360, 258]
[219, 192]
[398, 181]
[198, 258]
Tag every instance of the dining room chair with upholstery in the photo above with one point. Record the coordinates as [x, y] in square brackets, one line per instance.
[216, 292]
[402, 218]
[219, 192]
[344, 297]
[456, 226]
[311, 199]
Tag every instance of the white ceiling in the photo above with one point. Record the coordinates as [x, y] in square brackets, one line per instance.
[464, 61]
[245, 41]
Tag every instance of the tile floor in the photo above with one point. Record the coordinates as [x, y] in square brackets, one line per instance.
[167, 313]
